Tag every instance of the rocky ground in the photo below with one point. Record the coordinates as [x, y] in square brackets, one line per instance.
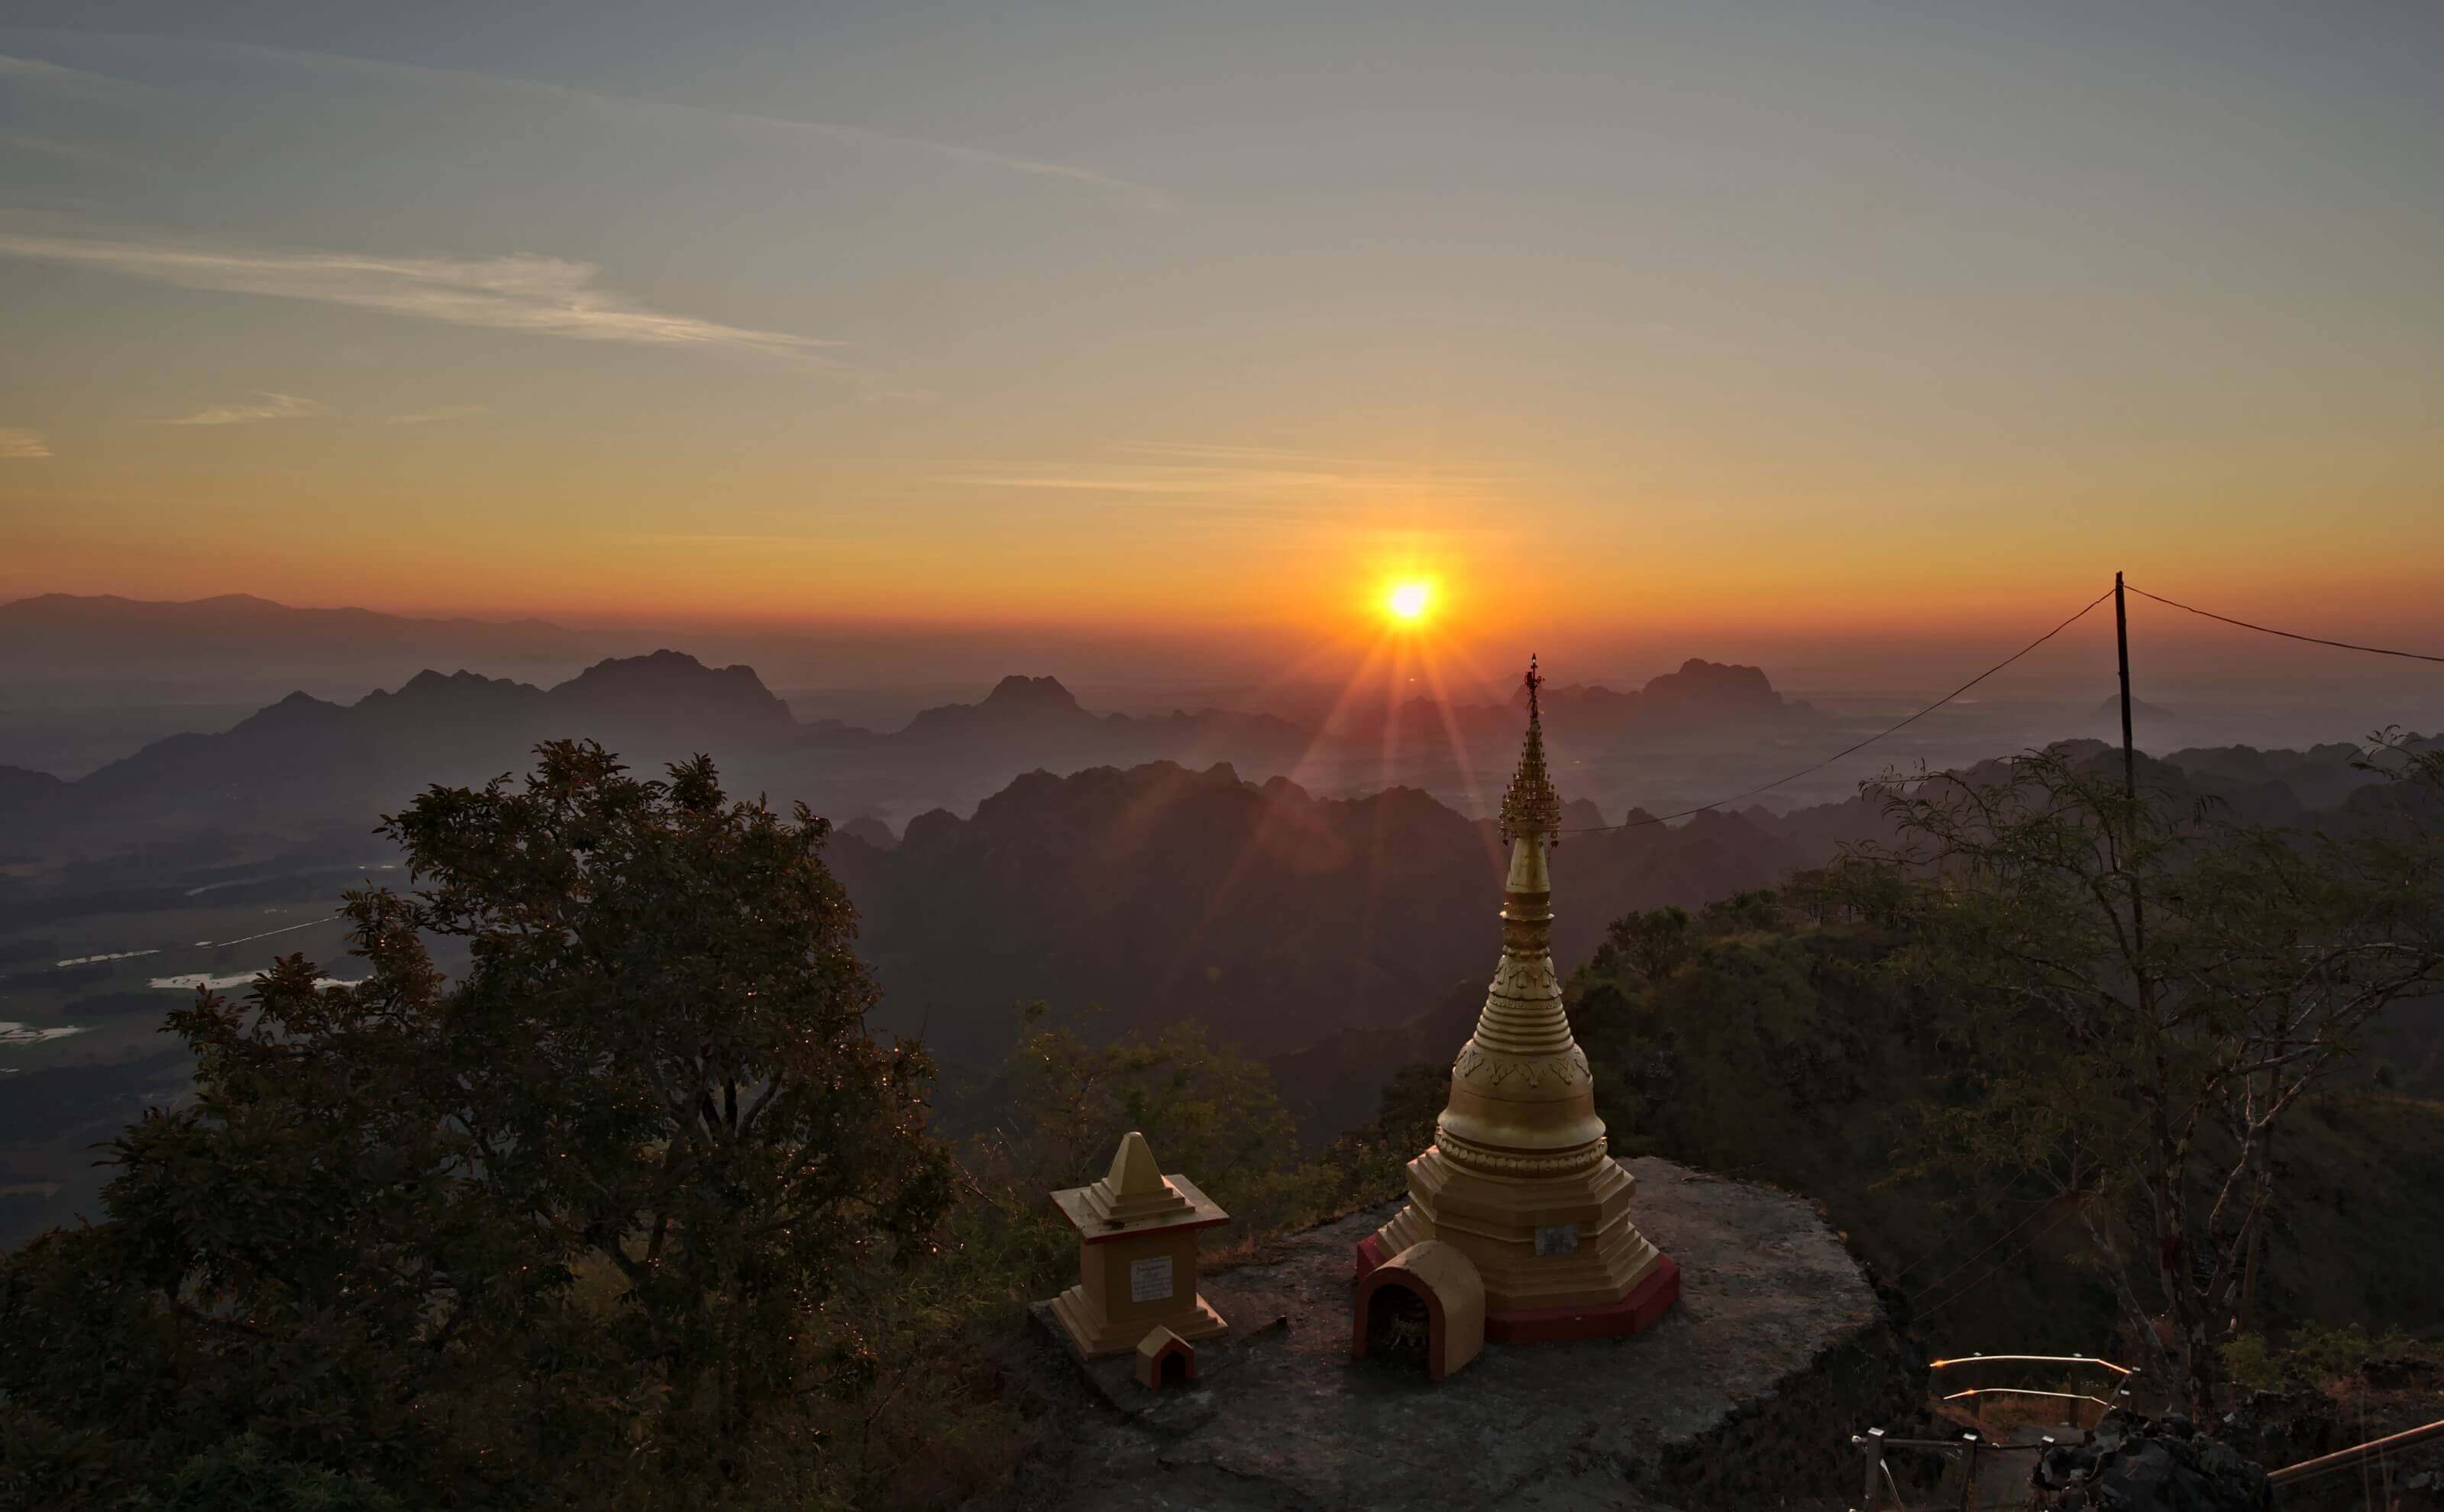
[1745, 1395]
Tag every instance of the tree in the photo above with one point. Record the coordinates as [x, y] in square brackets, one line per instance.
[477, 1238]
[1205, 1109]
[2149, 991]
[1651, 945]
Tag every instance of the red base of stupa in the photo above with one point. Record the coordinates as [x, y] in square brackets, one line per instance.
[1634, 1314]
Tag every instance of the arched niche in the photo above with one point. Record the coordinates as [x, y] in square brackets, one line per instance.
[1445, 1280]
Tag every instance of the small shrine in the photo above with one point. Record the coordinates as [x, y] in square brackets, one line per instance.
[1136, 1256]
[1165, 1359]
[1453, 1294]
[1518, 1183]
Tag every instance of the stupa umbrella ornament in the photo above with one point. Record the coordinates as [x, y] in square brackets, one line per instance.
[1519, 1178]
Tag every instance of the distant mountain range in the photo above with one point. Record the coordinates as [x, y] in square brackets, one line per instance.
[307, 767]
[1708, 696]
[1337, 936]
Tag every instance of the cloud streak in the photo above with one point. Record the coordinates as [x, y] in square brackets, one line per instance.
[20, 444]
[538, 296]
[447, 411]
[32, 73]
[1184, 469]
[27, 141]
[1146, 195]
[268, 407]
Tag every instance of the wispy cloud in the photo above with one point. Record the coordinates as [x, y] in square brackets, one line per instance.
[1167, 468]
[20, 444]
[1144, 194]
[32, 73]
[447, 411]
[27, 141]
[727, 538]
[1240, 453]
[542, 296]
[268, 407]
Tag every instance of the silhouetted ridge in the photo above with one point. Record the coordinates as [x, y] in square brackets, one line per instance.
[1018, 707]
[1164, 892]
[1017, 691]
[1712, 685]
[668, 678]
[20, 788]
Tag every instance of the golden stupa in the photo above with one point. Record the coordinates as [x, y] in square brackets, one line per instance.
[1518, 1178]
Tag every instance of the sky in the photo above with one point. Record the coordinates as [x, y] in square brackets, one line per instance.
[1810, 334]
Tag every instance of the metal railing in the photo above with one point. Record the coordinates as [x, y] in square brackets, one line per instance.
[1881, 1482]
[1969, 1447]
[1881, 1490]
[2358, 1454]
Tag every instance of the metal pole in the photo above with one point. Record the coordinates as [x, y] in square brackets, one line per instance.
[2130, 778]
[2168, 1245]
[2122, 642]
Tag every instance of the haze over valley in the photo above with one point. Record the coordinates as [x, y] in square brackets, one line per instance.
[1308, 882]
[1277, 757]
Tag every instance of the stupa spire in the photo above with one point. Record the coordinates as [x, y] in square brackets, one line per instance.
[1530, 807]
[1519, 1178]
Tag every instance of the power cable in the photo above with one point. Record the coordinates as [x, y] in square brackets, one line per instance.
[1979, 1279]
[2269, 630]
[1848, 750]
[1936, 1284]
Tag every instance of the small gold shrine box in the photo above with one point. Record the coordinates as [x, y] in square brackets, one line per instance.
[1137, 1255]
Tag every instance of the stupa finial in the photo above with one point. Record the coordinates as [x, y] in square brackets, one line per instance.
[1530, 807]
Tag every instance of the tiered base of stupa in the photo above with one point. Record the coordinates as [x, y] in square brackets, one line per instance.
[1097, 1333]
[1556, 1251]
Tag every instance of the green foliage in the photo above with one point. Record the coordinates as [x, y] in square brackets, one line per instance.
[1739, 1055]
[2144, 992]
[2250, 1364]
[1651, 946]
[1370, 1164]
[475, 1242]
[1819, 1053]
[2312, 1355]
[242, 1476]
[1204, 1109]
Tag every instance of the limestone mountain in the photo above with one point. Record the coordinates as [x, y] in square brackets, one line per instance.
[669, 691]
[19, 788]
[2320, 777]
[1441, 746]
[1036, 721]
[305, 767]
[1161, 893]
[1018, 706]
[310, 769]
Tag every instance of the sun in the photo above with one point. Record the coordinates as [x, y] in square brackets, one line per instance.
[1408, 602]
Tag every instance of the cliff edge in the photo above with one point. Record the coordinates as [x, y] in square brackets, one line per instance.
[1746, 1390]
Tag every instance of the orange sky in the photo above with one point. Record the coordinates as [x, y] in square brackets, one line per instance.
[1730, 331]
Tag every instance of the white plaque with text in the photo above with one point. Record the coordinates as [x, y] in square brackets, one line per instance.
[1557, 1239]
[1150, 1279]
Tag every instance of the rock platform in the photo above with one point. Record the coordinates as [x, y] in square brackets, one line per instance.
[1746, 1391]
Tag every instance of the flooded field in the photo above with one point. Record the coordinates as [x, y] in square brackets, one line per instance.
[85, 995]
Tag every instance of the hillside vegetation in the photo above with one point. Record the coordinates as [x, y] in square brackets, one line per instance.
[635, 1208]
